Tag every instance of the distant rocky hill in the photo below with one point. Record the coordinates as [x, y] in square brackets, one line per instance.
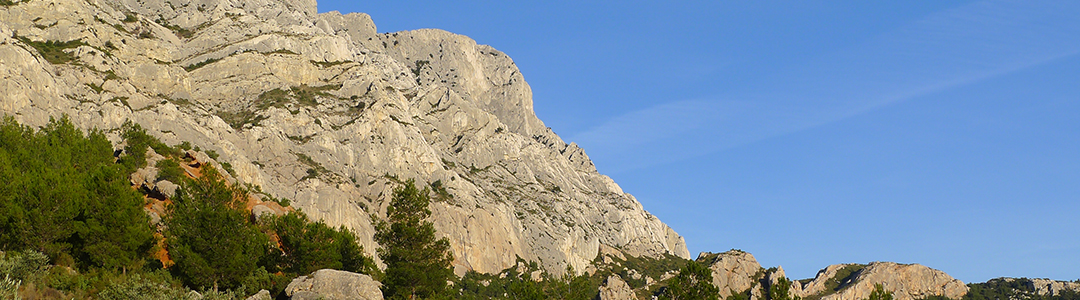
[323, 110]
[739, 272]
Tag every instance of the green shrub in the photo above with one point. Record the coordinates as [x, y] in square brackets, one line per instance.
[170, 170]
[137, 287]
[308, 246]
[53, 51]
[138, 140]
[26, 265]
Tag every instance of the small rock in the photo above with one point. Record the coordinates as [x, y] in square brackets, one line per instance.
[261, 295]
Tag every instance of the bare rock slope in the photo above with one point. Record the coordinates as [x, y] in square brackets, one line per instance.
[323, 110]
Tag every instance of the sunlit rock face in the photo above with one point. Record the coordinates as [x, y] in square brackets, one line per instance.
[323, 110]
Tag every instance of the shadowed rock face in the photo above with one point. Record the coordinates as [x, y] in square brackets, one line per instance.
[323, 110]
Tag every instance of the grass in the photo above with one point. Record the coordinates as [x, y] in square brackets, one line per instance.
[314, 168]
[300, 139]
[282, 51]
[239, 119]
[201, 64]
[441, 194]
[327, 64]
[303, 94]
[53, 51]
[95, 87]
[177, 30]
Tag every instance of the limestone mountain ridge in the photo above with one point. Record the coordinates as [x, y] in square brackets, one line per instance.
[323, 110]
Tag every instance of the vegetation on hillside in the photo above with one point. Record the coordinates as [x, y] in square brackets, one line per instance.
[72, 226]
[61, 194]
[693, 282]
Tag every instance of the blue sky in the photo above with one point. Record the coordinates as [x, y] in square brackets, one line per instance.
[945, 133]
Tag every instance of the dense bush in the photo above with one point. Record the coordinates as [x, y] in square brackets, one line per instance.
[62, 194]
[306, 246]
[170, 170]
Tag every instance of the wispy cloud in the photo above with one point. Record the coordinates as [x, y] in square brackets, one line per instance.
[944, 50]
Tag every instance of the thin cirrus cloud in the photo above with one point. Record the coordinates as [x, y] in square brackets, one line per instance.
[944, 50]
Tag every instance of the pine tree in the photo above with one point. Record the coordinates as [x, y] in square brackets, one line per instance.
[879, 293]
[782, 290]
[211, 241]
[417, 264]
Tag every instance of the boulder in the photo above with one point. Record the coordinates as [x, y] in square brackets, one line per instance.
[261, 295]
[614, 288]
[166, 188]
[334, 285]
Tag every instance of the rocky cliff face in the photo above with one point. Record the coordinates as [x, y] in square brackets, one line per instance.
[733, 272]
[323, 110]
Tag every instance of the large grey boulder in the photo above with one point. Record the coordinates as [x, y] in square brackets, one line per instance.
[334, 285]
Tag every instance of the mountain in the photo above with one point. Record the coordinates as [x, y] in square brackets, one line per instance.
[323, 110]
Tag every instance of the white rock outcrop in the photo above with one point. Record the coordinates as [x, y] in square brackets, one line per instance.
[614, 288]
[323, 110]
[1044, 286]
[733, 271]
[334, 285]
